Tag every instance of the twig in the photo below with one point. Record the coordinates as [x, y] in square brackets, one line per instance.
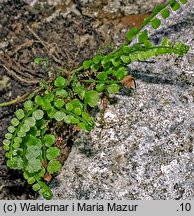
[36, 36]
[47, 46]
[13, 74]
[21, 98]
[17, 100]
[25, 44]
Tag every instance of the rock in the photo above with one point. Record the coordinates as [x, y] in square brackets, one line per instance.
[3, 82]
[114, 7]
[104, 8]
[143, 146]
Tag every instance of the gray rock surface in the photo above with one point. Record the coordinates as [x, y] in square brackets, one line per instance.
[143, 146]
[113, 8]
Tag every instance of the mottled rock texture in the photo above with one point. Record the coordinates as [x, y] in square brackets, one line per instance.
[105, 8]
[142, 148]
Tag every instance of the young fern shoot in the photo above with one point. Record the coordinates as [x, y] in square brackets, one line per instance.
[29, 145]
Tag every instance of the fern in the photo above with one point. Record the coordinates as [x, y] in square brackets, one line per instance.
[28, 144]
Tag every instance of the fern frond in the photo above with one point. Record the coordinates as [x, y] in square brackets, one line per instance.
[154, 19]
[149, 52]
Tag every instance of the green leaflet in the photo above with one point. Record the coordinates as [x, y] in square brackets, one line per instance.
[87, 64]
[60, 82]
[165, 13]
[53, 166]
[51, 113]
[39, 100]
[94, 67]
[175, 6]
[38, 114]
[157, 9]
[6, 142]
[49, 97]
[77, 103]
[28, 105]
[126, 49]
[59, 103]
[25, 128]
[40, 174]
[97, 59]
[36, 187]
[15, 122]
[45, 190]
[148, 44]
[52, 153]
[183, 1]
[137, 47]
[69, 106]
[100, 87]
[125, 59]
[106, 61]
[102, 76]
[16, 163]
[77, 111]
[31, 121]
[73, 120]
[113, 88]
[31, 180]
[8, 136]
[143, 36]
[6, 145]
[19, 114]
[62, 93]
[131, 34]
[46, 194]
[155, 23]
[120, 73]
[33, 165]
[116, 62]
[29, 140]
[92, 98]
[17, 140]
[32, 152]
[11, 129]
[49, 140]
[80, 90]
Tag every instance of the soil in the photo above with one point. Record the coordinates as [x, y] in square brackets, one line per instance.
[64, 36]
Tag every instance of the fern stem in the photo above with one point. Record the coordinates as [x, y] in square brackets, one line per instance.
[73, 114]
[98, 81]
[142, 26]
[77, 70]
